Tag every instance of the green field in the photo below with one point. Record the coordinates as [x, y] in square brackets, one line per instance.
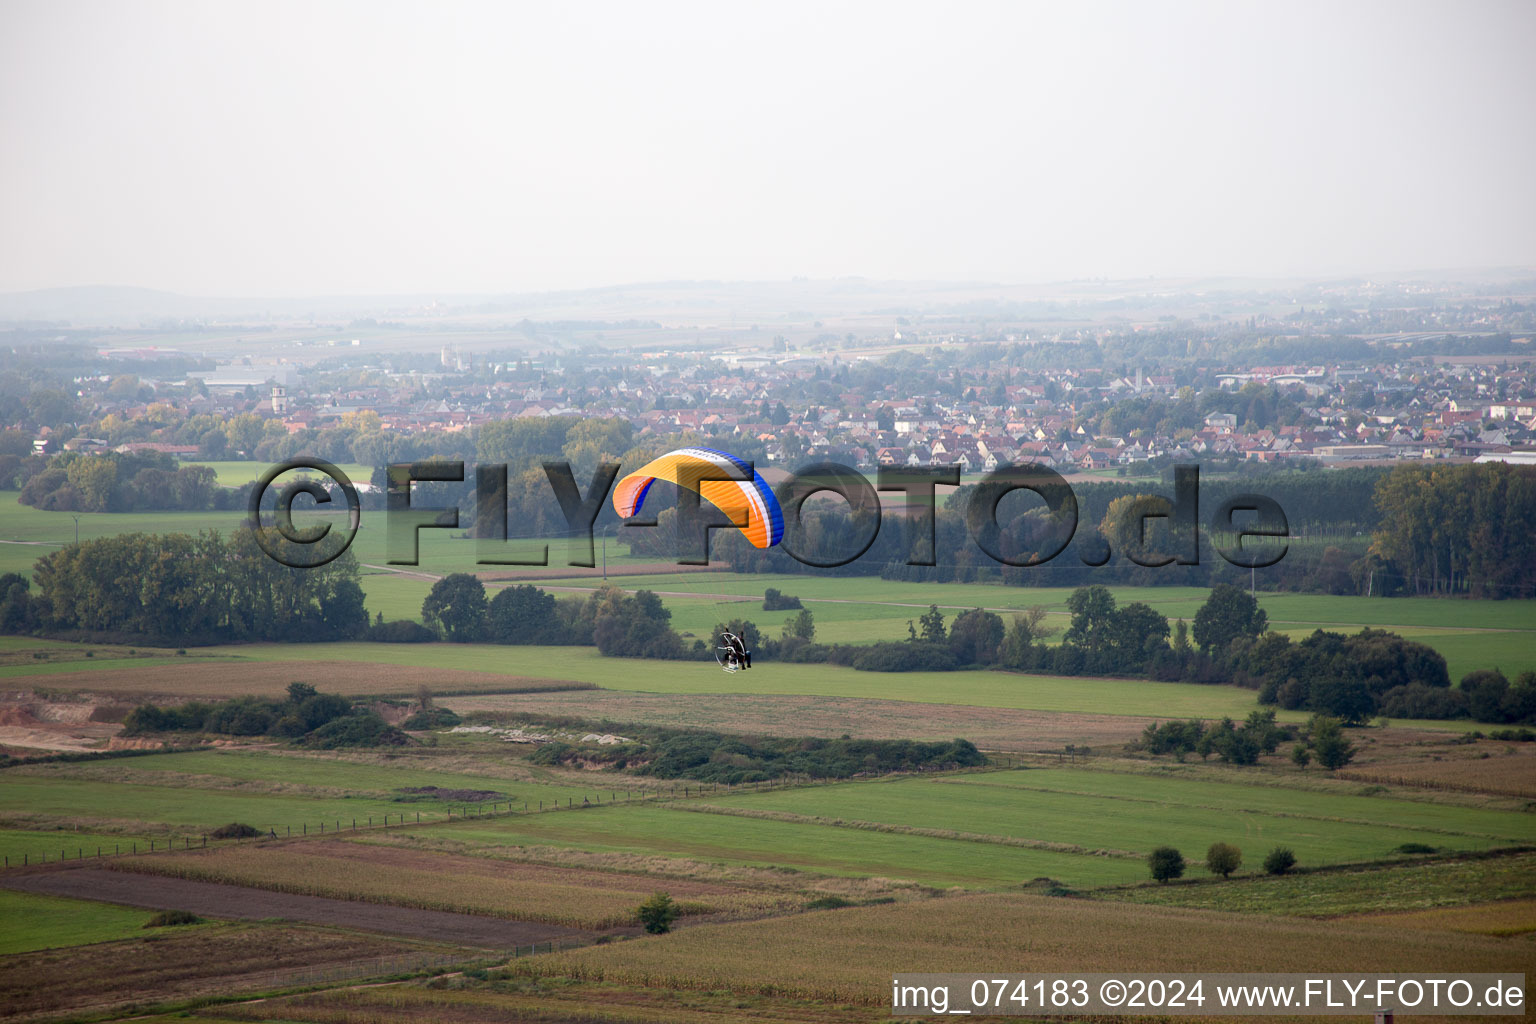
[1362, 891]
[46, 922]
[186, 795]
[806, 847]
[1100, 811]
[63, 843]
[980, 688]
[234, 473]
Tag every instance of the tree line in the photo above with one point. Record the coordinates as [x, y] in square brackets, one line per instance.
[177, 588]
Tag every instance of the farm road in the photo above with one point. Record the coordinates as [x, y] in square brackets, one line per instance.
[238, 901]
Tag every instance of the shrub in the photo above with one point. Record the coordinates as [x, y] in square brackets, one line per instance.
[401, 631]
[657, 913]
[1279, 861]
[906, 656]
[431, 718]
[364, 729]
[1223, 859]
[828, 903]
[1333, 751]
[234, 830]
[167, 918]
[1166, 863]
[773, 601]
[1415, 848]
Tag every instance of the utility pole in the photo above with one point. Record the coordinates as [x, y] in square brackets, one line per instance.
[77, 529]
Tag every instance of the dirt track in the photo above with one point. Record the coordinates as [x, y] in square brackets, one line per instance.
[239, 901]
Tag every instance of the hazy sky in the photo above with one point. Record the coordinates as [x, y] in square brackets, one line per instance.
[300, 149]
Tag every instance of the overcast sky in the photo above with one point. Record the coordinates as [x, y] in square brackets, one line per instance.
[304, 149]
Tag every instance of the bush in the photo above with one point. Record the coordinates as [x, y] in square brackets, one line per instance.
[1333, 751]
[167, 918]
[364, 729]
[401, 631]
[431, 718]
[773, 601]
[1416, 848]
[906, 656]
[234, 830]
[657, 913]
[1223, 859]
[828, 903]
[1166, 863]
[1279, 861]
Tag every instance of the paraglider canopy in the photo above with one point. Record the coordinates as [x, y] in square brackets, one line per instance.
[712, 475]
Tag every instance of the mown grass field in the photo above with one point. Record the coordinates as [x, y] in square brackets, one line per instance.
[45, 922]
[983, 688]
[1135, 814]
[235, 473]
[22, 846]
[979, 688]
[802, 846]
[182, 796]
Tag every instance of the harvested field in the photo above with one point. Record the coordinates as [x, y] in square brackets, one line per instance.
[1506, 918]
[209, 676]
[846, 956]
[1003, 729]
[808, 883]
[258, 904]
[175, 965]
[1487, 766]
[465, 1000]
[572, 897]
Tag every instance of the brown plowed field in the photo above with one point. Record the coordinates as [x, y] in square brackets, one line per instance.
[176, 964]
[238, 901]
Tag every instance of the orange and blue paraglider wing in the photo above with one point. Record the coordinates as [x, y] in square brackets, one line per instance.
[750, 504]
